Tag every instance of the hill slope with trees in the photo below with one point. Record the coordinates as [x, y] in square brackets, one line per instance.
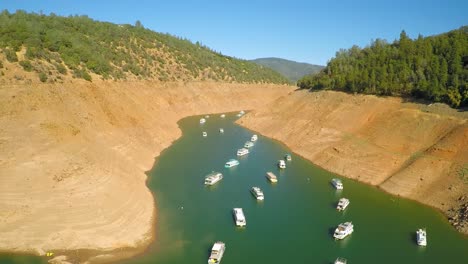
[55, 46]
[434, 68]
[290, 69]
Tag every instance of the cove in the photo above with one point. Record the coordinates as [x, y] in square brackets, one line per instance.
[296, 220]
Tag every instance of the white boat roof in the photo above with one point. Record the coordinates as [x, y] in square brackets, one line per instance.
[216, 247]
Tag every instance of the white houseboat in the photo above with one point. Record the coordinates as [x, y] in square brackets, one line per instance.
[248, 144]
[257, 193]
[239, 217]
[271, 177]
[421, 237]
[337, 184]
[213, 178]
[342, 204]
[217, 252]
[242, 152]
[281, 164]
[343, 230]
[231, 163]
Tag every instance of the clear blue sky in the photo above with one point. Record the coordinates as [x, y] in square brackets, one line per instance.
[302, 30]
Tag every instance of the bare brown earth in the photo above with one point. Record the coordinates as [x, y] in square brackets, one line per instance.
[412, 150]
[73, 158]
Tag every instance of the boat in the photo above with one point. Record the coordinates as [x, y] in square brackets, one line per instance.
[257, 193]
[242, 112]
[205, 134]
[217, 252]
[248, 144]
[421, 237]
[231, 163]
[202, 121]
[281, 164]
[242, 152]
[221, 130]
[342, 204]
[337, 184]
[223, 116]
[254, 138]
[213, 178]
[239, 217]
[207, 116]
[288, 157]
[341, 261]
[343, 230]
[270, 176]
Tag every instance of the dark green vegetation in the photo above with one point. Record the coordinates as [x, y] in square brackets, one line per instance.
[56, 45]
[290, 69]
[434, 68]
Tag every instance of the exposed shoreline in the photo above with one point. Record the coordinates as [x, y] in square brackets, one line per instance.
[349, 135]
[77, 154]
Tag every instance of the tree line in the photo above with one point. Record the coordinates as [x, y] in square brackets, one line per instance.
[81, 45]
[434, 68]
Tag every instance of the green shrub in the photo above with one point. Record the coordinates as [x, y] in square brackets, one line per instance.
[11, 55]
[60, 68]
[42, 77]
[27, 66]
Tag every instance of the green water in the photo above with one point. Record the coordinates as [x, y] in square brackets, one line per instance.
[295, 222]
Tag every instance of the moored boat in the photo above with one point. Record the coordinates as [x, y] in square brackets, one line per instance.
[343, 230]
[217, 252]
[207, 116]
[281, 164]
[239, 217]
[202, 121]
[223, 116]
[337, 184]
[341, 261]
[257, 193]
[221, 130]
[242, 152]
[213, 178]
[254, 138]
[231, 163]
[342, 204]
[205, 134]
[248, 144]
[271, 177]
[421, 237]
[288, 157]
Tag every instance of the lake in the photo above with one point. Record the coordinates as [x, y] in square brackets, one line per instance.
[295, 222]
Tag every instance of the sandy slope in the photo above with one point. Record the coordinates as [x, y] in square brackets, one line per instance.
[73, 158]
[413, 150]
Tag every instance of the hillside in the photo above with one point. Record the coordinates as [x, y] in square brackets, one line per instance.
[55, 48]
[407, 149]
[290, 69]
[434, 68]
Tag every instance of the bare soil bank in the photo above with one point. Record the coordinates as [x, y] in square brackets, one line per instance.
[414, 150]
[73, 158]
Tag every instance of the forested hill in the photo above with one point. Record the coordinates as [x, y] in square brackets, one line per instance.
[56, 47]
[434, 68]
[291, 69]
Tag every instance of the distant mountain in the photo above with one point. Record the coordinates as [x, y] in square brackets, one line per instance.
[290, 69]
